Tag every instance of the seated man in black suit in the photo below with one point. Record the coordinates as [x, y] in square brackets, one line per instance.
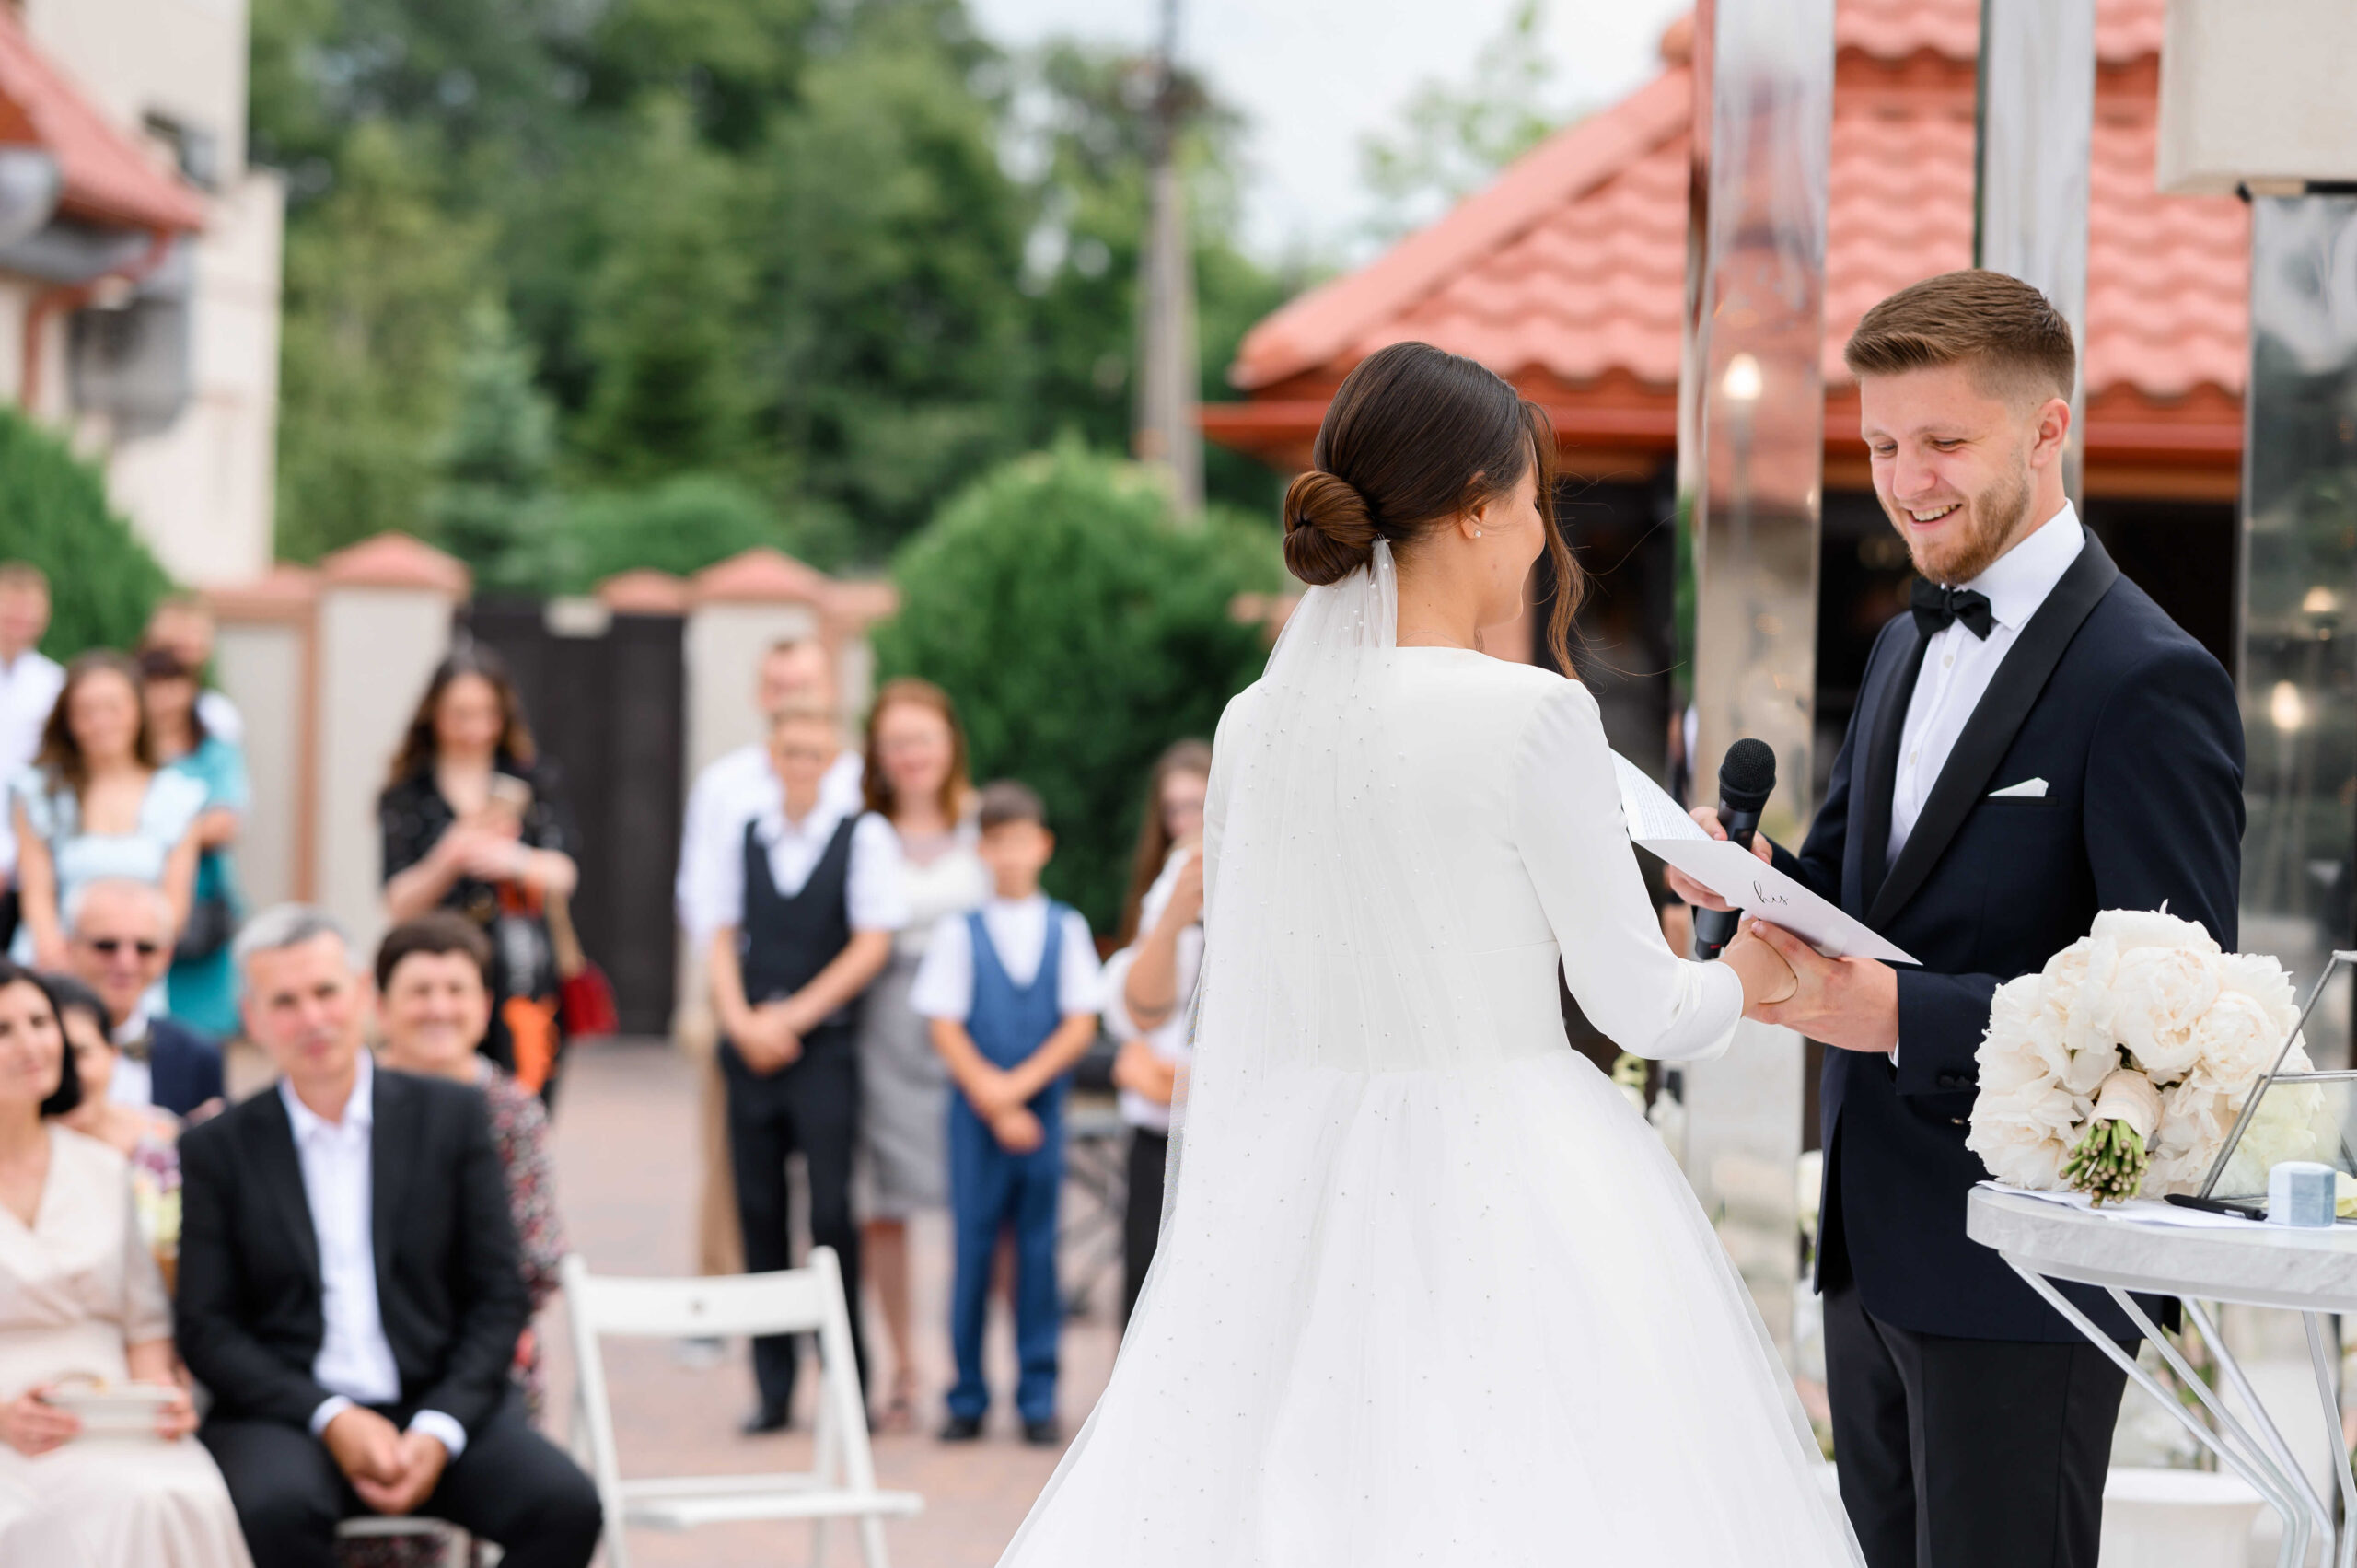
[349, 1288]
[119, 946]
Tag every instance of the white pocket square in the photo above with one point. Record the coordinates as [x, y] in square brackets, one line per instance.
[2028, 789]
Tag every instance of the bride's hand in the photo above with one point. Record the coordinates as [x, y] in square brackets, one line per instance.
[1767, 978]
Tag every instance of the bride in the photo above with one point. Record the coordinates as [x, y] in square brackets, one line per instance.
[1429, 1292]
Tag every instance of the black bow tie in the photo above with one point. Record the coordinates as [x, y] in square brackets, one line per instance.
[1938, 608]
[135, 1050]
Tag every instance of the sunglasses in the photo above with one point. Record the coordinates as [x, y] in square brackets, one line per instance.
[110, 946]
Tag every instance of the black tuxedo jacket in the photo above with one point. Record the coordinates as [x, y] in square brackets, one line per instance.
[2135, 729]
[448, 1288]
[186, 1066]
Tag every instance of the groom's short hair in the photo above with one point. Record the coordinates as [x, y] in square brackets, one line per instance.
[2017, 344]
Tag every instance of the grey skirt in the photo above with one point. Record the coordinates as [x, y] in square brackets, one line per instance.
[904, 1100]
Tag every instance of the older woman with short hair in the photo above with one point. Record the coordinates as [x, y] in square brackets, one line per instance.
[434, 1006]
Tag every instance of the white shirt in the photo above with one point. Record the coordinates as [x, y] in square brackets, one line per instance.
[943, 987]
[133, 1083]
[873, 897]
[355, 1361]
[28, 689]
[1958, 666]
[220, 718]
[727, 794]
[1168, 1040]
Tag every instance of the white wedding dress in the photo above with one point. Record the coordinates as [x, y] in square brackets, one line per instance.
[1429, 1290]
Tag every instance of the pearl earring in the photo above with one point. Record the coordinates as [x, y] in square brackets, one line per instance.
[1477, 533]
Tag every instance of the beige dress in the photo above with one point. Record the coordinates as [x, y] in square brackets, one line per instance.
[75, 1289]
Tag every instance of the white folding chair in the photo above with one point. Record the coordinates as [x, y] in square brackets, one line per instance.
[842, 1482]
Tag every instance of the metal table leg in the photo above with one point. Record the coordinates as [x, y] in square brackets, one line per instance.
[2335, 1444]
[2257, 1467]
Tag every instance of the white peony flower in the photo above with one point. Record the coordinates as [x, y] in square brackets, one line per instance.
[2158, 997]
[2236, 1040]
[2018, 1154]
[2129, 929]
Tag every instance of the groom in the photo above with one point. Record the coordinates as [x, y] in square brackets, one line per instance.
[2034, 742]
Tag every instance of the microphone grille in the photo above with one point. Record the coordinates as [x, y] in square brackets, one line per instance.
[1749, 769]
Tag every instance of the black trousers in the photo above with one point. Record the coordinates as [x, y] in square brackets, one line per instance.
[1968, 1453]
[810, 1108]
[511, 1486]
[1142, 1213]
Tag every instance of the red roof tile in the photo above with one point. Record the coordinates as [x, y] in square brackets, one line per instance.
[1569, 270]
[107, 176]
[395, 559]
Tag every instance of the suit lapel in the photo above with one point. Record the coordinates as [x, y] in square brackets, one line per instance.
[387, 1137]
[282, 1179]
[1888, 718]
[2013, 692]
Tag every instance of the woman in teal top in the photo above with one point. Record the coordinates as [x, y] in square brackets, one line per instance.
[202, 987]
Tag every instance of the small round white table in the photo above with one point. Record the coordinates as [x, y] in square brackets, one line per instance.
[2313, 1273]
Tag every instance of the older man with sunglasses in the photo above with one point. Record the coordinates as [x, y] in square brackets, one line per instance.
[119, 946]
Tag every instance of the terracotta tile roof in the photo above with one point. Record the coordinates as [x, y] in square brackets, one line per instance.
[395, 559]
[1568, 272]
[107, 178]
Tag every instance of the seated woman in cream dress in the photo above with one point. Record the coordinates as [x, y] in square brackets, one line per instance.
[82, 1301]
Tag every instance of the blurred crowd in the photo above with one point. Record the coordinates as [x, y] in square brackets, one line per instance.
[317, 1300]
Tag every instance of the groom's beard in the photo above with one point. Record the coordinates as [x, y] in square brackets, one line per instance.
[1991, 521]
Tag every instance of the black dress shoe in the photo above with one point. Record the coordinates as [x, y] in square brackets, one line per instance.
[961, 1429]
[1043, 1433]
[766, 1418]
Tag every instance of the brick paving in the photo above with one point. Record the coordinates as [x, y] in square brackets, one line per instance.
[626, 1172]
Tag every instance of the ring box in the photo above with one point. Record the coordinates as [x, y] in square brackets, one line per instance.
[2300, 1194]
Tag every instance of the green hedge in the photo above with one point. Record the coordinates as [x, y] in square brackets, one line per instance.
[53, 513]
[1080, 632]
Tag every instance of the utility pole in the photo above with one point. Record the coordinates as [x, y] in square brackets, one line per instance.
[1167, 433]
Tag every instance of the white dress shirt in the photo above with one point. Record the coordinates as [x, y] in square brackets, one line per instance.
[355, 1361]
[133, 1082]
[874, 897]
[943, 987]
[28, 689]
[1169, 1040]
[727, 794]
[1958, 666]
[220, 717]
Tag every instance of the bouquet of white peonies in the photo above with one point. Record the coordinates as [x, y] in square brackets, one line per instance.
[2122, 1066]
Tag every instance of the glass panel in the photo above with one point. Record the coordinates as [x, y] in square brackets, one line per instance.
[2299, 634]
[2038, 103]
[2295, 1121]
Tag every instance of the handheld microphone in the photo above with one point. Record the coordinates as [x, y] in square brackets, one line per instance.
[1747, 779]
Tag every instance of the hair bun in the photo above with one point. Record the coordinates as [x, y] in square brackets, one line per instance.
[1329, 531]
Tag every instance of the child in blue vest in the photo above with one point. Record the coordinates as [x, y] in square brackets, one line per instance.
[1012, 993]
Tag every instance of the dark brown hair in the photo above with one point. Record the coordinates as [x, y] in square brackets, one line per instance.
[443, 931]
[1005, 800]
[1154, 830]
[415, 756]
[909, 692]
[68, 1093]
[1413, 435]
[61, 755]
[2017, 343]
[159, 663]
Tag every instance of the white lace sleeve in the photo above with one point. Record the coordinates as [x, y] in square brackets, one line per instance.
[1567, 821]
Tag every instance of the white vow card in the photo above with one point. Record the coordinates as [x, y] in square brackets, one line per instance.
[1753, 885]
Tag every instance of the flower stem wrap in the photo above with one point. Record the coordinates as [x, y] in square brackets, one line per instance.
[2108, 1162]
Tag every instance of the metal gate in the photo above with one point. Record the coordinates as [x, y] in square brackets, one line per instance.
[605, 697]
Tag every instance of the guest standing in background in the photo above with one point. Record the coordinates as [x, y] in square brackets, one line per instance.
[146, 1136]
[802, 921]
[183, 623]
[30, 682]
[432, 1008]
[98, 803]
[202, 989]
[916, 780]
[473, 821]
[793, 672]
[81, 1299]
[1150, 988]
[122, 939]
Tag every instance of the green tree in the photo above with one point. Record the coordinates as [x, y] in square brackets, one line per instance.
[376, 289]
[1454, 138]
[1080, 632]
[665, 314]
[498, 462]
[53, 513]
[680, 525]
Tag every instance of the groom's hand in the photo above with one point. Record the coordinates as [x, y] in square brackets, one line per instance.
[1693, 892]
[1849, 1003]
